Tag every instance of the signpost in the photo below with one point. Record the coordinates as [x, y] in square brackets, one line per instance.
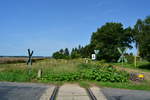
[96, 51]
[122, 57]
[135, 60]
[29, 62]
[94, 55]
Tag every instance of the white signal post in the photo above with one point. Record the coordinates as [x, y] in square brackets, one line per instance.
[122, 57]
[93, 57]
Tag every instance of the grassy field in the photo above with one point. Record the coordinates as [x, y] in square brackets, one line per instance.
[6, 60]
[76, 71]
[142, 65]
[20, 71]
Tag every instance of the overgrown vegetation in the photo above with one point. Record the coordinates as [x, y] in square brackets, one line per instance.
[109, 37]
[141, 65]
[142, 37]
[89, 72]
[17, 75]
[63, 71]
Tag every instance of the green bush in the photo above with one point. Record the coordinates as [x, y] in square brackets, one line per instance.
[105, 74]
[130, 59]
[87, 72]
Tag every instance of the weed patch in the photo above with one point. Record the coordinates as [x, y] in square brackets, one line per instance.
[17, 76]
[86, 72]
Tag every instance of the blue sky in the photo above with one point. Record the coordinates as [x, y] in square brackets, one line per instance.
[48, 25]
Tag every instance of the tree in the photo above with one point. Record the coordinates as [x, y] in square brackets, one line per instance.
[142, 37]
[108, 38]
[87, 51]
[66, 52]
[75, 53]
[61, 54]
[61, 51]
[58, 55]
[137, 34]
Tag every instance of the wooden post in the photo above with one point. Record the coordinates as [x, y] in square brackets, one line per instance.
[86, 60]
[135, 61]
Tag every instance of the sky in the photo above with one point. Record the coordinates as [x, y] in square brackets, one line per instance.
[46, 26]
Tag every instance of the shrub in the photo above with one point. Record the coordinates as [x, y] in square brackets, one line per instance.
[130, 59]
[87, 72]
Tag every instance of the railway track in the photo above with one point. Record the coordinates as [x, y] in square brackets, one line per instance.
[56, 90]
[91, 95]
[54, 94]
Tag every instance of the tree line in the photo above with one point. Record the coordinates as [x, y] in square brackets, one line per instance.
[108, 38]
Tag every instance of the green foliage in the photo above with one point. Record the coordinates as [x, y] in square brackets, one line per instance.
[111, 36]
[58, 55]
[142, 37]
[77, 52]
[87, 51]
[66, 52]
[17, 75]
[62, 76]
[102, 61]
[105, 74]
[108, 38]
[130, 58]
[126, 85]
[89, 72]
[62, 54]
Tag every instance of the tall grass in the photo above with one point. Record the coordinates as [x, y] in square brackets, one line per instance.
[9, 60]
[20, 71]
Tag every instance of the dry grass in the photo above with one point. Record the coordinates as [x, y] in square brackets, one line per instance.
[5, 60]
[12, 59]
[46, 65]
[58, 65]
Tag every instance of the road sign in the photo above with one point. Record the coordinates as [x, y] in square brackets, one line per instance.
[122, 57]
[29, 62]
[93, 56]
[30, 53]
[96, 51]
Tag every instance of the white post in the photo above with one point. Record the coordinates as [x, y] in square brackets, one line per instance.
[39, 73]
